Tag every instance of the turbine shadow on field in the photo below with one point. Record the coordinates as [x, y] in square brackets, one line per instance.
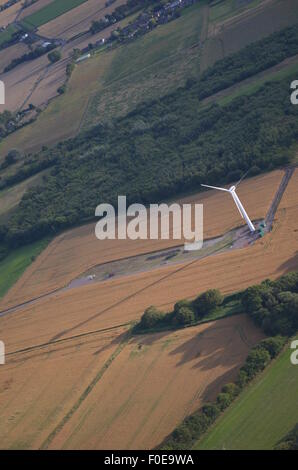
[291, 264]
[207, 355]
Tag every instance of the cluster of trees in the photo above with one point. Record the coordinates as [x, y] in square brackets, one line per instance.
[290, 442]
[12, 157]
[34, 54]
[5, 118]
[273, 305]
[54, 56]
[195, 425]
[185, 312]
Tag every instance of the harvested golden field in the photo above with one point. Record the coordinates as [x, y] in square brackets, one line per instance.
[38, 387]
[58, 265]
[78, 19]
[10, 53]
[162, 379]
[114, 392]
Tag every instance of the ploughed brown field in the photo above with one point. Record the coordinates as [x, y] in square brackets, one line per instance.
[77, 250]
[106, 391]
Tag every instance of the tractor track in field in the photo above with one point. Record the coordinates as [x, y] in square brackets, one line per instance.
[63, 340]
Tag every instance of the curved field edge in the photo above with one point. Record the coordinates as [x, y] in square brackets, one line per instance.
[262, 415]
[14, 265]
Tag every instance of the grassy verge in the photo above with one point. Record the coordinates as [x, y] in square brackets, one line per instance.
[263, 413]
[13, 266]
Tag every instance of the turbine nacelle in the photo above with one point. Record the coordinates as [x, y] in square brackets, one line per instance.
[232, 191]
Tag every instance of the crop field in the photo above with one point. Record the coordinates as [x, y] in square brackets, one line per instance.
[227, 8]
[37, 388]
[56, 403]
[117, 301]
[235, 33]
[151, 66]
[10, 53]
[33, 8]
[7, 34]
[51, 11]
[118, 80]
[18, 89]
[57, 266]
[78, 19]
[108, 84]
[9, 15]
[163, 378]
[265, 412]
[13, 266]
[67, 395]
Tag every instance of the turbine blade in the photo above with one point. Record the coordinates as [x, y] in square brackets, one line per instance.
[242, 177]
[215, 187]
[237, 205]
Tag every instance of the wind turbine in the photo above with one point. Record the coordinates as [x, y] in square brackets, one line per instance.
[232, 191]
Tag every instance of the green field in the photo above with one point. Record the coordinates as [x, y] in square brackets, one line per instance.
[255, 83]
[50, 12]
[149, 67]
[6, 36]
[224, 9]
[13, 266]
[263, 414]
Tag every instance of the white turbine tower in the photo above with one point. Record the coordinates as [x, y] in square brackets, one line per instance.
[232, 191]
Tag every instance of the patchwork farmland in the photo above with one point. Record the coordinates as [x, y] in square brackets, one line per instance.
[266, 411]
[80, 372]
[57, 266]
[126, 76]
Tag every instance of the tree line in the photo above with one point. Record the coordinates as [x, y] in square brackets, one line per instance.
[284, 291]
